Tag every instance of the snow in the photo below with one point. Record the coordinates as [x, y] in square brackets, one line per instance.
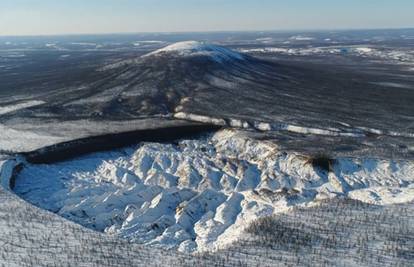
[393, 84]
[267, 50]
[184, 46]
[199, 118]
[194, 48]
[29, 135]
[6, 171]
[307, 130]
[24, 140]
[148, 42]
[265, 40]
[274, 126]
[301, 38]
[183, 49]
[363, 50]
[17, 106]
[200, 194]
[197, 195]
[385, 195]
[84, 44]
[64, 56]
[399, 56]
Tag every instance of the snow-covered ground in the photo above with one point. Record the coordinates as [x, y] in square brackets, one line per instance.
[368, 235]
[346, 131]
[28, 135]
[391, 55]
[21, 140]
[4, 109]
[197, 195]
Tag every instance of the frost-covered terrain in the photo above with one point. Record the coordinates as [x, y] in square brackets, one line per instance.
[346, 91]
[198, 195]
[21, 105]
[313, 164]
[402, 56]
[367, 234]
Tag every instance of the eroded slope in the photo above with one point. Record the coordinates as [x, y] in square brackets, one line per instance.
[200, 194]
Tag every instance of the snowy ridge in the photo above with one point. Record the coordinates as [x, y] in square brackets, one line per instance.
[199, 195]
[194, 48]
[264, 126]
[18, 106]
[275, 126]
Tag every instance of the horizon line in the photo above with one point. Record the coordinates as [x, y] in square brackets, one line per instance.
[212, 31]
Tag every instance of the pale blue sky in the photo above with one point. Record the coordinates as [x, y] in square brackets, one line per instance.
[43, 17]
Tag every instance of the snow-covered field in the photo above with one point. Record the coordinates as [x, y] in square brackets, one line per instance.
[198, 195]
[390, 55]
[29, 135]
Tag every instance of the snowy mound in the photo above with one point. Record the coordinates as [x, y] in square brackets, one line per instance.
[194, 48]
[198, 195]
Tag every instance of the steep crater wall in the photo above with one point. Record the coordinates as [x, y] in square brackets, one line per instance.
[76, 148]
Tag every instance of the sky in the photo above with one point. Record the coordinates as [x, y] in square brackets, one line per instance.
[48, 17]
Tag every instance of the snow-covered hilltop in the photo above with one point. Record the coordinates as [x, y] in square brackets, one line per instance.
[194, 48]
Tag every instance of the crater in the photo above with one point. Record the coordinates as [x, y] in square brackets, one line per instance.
[199, 193]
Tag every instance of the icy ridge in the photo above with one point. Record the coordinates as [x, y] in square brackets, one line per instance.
[200, 194]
